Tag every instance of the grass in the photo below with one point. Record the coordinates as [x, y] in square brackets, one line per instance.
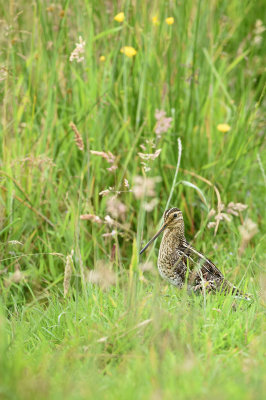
[137, 337]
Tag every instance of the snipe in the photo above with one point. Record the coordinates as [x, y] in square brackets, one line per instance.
[180, 263]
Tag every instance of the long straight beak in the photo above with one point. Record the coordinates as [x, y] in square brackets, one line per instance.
[154, 237]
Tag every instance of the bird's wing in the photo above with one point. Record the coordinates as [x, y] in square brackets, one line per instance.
[205, 265]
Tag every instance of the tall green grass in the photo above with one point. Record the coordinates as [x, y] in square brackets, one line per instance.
[139, 338]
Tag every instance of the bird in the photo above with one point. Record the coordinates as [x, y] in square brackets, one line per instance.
[180, 263]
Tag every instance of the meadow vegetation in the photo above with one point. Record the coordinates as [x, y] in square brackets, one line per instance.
[111, 112]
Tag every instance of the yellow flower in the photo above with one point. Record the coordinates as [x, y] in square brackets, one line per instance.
[155, 20]
[223, 128]
[119, 17]
[102, 58]
[128, 51]
[170, 21]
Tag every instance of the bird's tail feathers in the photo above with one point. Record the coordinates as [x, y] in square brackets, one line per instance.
[237, 293]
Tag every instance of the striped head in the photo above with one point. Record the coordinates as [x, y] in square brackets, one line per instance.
[173, 220]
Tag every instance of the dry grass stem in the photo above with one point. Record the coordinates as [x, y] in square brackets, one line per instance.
[37, 212]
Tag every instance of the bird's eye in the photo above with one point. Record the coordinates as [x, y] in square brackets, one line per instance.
[175, 215]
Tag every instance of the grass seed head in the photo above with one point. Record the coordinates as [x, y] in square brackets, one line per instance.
[78, 138]
[163, 123]
[144, 186]
[77, 53]
[116, 208]
[92, 218]
[247, 231]
[68, 272]
[102, 275]
[152, 156]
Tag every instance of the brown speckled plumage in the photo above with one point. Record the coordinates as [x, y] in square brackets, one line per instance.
[180, 263]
